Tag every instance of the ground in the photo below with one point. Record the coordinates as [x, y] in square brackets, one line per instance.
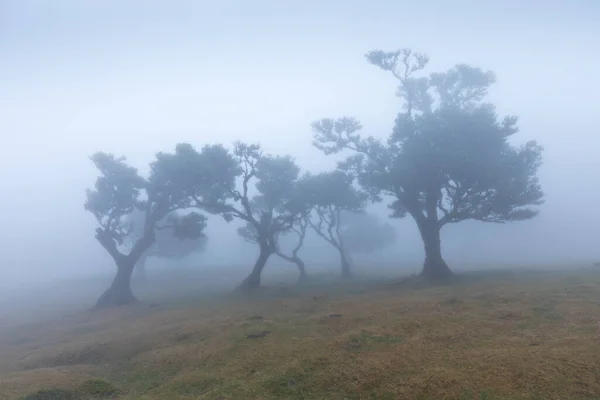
[510, 335]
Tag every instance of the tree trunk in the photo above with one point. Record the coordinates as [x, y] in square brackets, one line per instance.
[119, 293]
[434, 267]
[140, 269]
[346, 274]
[350, 259]
[252, 281]
[303, 277]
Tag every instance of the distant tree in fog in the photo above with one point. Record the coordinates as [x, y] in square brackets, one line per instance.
[330, 194]
[167, 245]
[120, 191]
[364, 233]
[448, 158]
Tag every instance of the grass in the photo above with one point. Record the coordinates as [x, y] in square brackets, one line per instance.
[502, 336]
[90, 389]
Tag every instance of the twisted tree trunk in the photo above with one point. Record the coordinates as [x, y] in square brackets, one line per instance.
[303, 276]
[119, 293]
[434, 267]
[252, 281]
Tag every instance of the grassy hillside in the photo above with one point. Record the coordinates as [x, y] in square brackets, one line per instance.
[513, 335]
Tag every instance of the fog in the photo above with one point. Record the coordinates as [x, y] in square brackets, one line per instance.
[137, 77]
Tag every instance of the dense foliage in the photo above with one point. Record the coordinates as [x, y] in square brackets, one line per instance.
[448, 157]
[120, 192]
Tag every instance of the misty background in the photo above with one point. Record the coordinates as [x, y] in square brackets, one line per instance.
[138, 77]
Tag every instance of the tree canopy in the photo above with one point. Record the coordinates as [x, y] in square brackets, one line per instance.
[448, 157]
[120, 191]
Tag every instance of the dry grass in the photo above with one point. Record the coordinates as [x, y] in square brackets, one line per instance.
[511, 336]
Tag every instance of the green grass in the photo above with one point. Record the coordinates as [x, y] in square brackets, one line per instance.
[51, 394]
[484, 337]
[92, 389]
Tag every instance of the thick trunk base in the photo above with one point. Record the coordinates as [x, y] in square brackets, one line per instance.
[119, 293]
[250, 284]
[436, 270]
[302, 278]
[115, 298]
[252, 281]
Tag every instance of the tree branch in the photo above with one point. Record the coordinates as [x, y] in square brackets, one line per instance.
[223, 208]
[318, 228]
[301, 231]
[284, 256]
[107, 241]
[143, 244]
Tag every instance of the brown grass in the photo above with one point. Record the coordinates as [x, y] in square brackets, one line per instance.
[512, 336]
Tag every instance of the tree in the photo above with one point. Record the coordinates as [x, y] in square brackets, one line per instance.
[364, 233]
[120, 191]
[329, 194]
[298, 229]
[168, 245]
[448, 158]
[273, 210]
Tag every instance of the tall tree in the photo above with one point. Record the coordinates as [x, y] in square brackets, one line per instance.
[330, 194]
[120, 191]
[167, 245]
[448, 158]
[272, 210]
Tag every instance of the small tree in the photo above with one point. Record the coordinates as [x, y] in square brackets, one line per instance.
[120, 191]
[168, 245]
[298, 229]
[448, 158]
[330, 194]
[364, 233]
[271, 211]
